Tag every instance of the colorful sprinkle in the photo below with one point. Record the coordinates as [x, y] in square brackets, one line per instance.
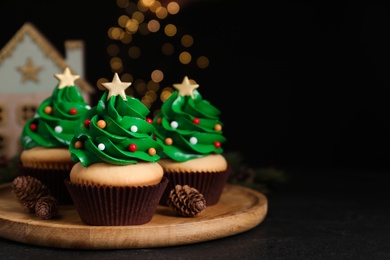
[48, 110]
[101, 124]
[159, 120]
[217, 144]
[149, 120]
[152, 151]
[134, 129]
[101, 147]
[196, 121]
[33, 127]
[193, 140]
[174, 124]
[78, 145]
[73, 111]
[218, 127]
[58, 129]
[132, 147]
[87, 122]
[168, 141]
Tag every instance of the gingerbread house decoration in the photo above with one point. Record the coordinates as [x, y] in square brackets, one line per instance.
[28, 63]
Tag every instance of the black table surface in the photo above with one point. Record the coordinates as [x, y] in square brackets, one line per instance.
[317, 214]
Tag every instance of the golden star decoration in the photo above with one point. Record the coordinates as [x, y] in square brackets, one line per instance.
[66, 79]
[30, 71]
[186, 88]
[116, 87]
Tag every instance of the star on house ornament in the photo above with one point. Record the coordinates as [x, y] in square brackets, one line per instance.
[66, 79]
[29, 71]
[186, 88]
[116, 87]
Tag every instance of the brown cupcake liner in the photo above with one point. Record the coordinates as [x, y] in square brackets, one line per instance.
[210, 184]
[53, 179]
[115, 206]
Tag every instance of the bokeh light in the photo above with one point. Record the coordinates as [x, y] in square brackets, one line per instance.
[150, 49]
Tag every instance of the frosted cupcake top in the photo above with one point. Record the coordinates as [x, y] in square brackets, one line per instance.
[54, 122]
[188, 126]
[115, 131]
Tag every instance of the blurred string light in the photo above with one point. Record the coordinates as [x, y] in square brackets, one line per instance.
[146, 47]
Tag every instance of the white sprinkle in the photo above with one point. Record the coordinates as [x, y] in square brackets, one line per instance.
[193, 140]
[134, 129]
[58, 129]
[101, 147]
[174, 124]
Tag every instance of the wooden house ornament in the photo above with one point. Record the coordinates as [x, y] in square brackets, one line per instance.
[28, 63]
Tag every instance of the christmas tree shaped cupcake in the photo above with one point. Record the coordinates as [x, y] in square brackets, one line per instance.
[46, 137]
[116, 180]
[189, 129]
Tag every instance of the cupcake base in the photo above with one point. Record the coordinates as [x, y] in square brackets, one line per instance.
[210, 184]
[53, 179]
[115, 206]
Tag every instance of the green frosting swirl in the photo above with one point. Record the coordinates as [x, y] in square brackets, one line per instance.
[192, 124]
[54, 122]
[125, 125]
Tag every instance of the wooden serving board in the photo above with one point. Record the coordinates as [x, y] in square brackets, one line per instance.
[238, 210]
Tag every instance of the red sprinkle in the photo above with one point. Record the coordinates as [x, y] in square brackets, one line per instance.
[132, 147]
[73, 111]
[87, 122]
[33, 127]
[149, 120]
[196, 121]
[217, 144]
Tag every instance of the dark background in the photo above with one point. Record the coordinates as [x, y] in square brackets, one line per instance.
[299, 85]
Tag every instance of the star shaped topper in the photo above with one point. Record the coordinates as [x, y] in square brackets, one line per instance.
[186, 88]
[116, 87]
[66, 79]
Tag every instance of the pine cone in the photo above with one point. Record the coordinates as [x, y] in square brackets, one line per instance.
[46, 207]
[186, 201]
[28, 190]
